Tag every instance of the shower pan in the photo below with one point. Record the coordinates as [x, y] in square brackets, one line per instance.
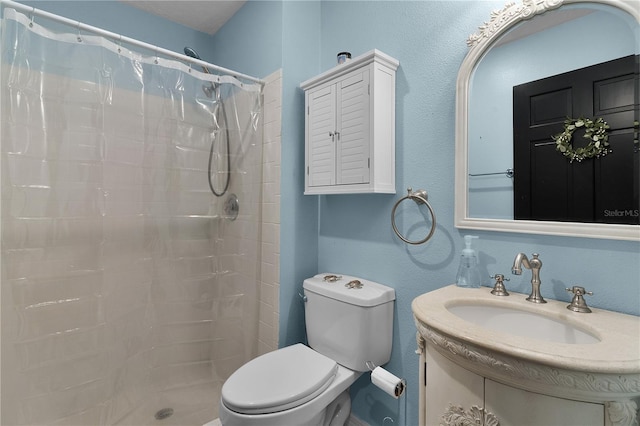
[128, 295]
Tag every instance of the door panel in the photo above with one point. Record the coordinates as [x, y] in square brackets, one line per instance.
[547, 186]
[322, 125]
[517, 407]
[353, 122]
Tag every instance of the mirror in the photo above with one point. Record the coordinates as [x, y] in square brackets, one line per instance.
[522, 43]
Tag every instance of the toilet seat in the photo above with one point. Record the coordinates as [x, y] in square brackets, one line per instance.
[279, 380]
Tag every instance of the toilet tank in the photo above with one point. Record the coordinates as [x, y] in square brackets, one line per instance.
[350, 323]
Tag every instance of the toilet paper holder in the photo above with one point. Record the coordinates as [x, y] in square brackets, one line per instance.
[386, 381]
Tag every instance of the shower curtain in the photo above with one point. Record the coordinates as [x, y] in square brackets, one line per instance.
[128, 294]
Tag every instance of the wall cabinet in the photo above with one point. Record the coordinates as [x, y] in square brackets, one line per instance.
[455, 396]
[350, 127]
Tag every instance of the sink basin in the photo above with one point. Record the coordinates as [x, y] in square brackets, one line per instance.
[472, 323]
[522, 323]
[542, 348]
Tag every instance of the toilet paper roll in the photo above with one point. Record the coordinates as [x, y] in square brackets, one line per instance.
[389, 383]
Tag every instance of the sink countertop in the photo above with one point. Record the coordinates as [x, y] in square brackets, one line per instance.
[617, 352]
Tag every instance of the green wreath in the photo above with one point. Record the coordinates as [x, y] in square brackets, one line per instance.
[594, 130]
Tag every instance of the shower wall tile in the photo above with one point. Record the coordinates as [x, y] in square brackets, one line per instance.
[167, 334]
[48, 262]
[191, 352]
[190, 312]
[54, 348]
[40, 409]
[58, 317]
[125, 150]
[201, 288]
[25, 233]
[268, 297]
[272, 148]
[269, 257]
[181, 375]
[35, 291]
[127, 336]
[270, 241]
[67, 374]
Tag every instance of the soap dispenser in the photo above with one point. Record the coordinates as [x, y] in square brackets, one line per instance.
[468, 273]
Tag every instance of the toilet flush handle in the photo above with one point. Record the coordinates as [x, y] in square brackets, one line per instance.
[303, 297]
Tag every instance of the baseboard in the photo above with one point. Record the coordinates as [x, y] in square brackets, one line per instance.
[354, 421]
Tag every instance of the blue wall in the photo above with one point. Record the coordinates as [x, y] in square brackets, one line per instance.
[352, 234]
[130, 22]
[355, 236]
[251, 42]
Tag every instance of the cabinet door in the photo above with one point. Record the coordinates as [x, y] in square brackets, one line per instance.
[353, 125]
[321, 151]
[517, 407]
[449, 386]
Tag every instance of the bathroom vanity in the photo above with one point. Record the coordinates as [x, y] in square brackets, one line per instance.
[504, 361]
[350, 127]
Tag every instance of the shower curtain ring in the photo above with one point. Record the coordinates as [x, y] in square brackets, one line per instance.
[79, 36]
[31, 17]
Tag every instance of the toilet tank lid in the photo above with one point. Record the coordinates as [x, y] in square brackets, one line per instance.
[345, 288]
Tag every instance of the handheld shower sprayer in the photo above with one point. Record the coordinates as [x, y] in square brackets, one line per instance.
[209, 90]
[193, 54]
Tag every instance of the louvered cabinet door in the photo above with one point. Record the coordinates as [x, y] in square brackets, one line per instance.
[350, 127]
[321, 136]
[353, 129]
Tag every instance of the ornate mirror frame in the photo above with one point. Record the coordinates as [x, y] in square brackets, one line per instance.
[479, 43]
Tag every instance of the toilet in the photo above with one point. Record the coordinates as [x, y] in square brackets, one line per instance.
[349, 324]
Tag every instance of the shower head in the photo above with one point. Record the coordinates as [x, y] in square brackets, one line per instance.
[192, 53]
[208, 90]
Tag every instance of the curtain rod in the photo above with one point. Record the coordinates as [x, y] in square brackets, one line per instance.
[120, 38]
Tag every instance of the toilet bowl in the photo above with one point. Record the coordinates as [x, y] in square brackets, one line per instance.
[349, 325]
[290, 386]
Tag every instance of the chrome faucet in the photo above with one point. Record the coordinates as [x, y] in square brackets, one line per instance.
[534, 265]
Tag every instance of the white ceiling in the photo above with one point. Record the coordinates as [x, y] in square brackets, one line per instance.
[206, 16]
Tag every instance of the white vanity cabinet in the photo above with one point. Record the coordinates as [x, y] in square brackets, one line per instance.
[502, 367]
[350, 127]
[455, 395]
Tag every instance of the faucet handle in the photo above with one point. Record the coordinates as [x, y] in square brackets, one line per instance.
[498, 288]
[577, 289]
[578, 303]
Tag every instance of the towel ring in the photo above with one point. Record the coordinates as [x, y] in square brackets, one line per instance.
[420, 197]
